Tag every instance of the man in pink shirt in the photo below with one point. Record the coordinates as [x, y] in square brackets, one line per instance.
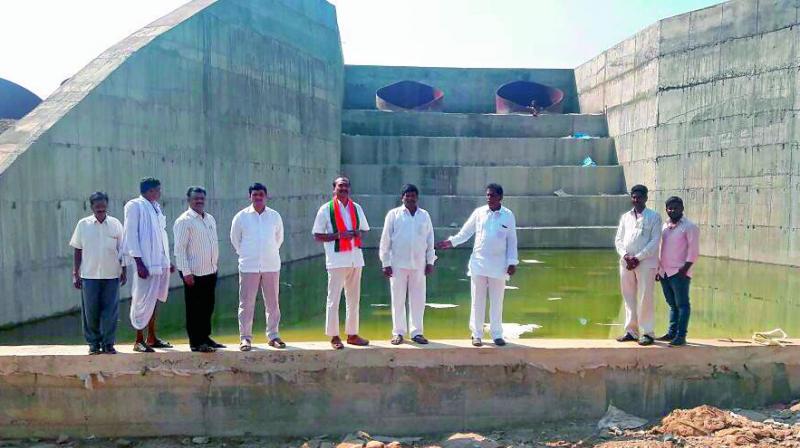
[680, 247]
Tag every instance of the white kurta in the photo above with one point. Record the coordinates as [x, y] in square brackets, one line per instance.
[639, 234]
[145, 235]
[407, 247]
[495, 249]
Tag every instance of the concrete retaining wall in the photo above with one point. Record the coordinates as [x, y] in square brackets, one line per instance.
[310, 389]
[218, 93]
[704, 105]
[465, 89]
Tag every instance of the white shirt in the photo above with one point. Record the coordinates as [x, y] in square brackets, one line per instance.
[322, 224]
[639, 234]
[257, 238]
[145, 233]
[407, 240]
[495, 247]
[196, 243]
[101, 247]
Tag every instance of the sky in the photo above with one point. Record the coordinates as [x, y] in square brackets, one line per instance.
[43, 42]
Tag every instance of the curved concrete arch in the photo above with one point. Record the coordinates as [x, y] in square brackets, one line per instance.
[219, 92]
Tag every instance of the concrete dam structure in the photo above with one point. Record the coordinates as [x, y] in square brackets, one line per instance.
[227, 92]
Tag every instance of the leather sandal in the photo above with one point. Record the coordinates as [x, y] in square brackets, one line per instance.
[336, 343]
[420, 339]
[159, 343]
[397, 339]
[354, 339]
[277, 343]
[142, 347]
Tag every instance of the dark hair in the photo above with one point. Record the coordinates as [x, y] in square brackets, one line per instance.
[257, 187]
[147, 183]
[640, 188]
[341, 177]
[195, 189]
[673, 200]
[409, 188]
[97, 196]
[496, 187]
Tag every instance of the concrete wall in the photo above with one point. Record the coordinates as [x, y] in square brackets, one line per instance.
[465, 89]
[218, 93]
[704, 105]
[310, 389]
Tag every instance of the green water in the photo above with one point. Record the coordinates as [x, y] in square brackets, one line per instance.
[729, 299]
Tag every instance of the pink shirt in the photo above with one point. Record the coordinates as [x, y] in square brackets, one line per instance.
[679, 243]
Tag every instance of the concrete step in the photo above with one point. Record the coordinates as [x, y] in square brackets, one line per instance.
[475, 151]
[587, 237]
[472, 180]
[529, 211]
[437, 124]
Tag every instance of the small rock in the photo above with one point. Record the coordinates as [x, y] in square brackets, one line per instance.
[795, 407]
[326, 445]
[355, 443]
[200, 440]
[62, 439]
[469, 440]
[124, 443]
[784, 414]
[394, 444]
[374, 444]
[617, 418]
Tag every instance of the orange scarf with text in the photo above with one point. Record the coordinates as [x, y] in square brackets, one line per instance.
[337, 222]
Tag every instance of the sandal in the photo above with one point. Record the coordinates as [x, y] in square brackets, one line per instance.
[159, 343]
[142, 347]
[336, 343]
[277, 343]
[397, 339]
[420, 339]
[245, 345]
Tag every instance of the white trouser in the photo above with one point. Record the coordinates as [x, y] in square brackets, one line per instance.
[412, 282]
[145, 292]
[249, 284]
[348, 279]
[496, 287]
[637, 290]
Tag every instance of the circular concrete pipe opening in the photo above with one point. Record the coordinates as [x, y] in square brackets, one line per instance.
[527, 97]
[16, 101]
[409, 95]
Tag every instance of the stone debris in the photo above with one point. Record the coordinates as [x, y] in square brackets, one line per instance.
[374, 444]
[750, 414]
[469, 440]
[200, 440]
[62, 439]
[123, 443]
[616, 418]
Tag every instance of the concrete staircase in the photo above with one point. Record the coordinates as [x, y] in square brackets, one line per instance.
[452, 156]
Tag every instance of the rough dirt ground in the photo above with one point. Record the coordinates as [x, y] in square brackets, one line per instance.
[703, 426]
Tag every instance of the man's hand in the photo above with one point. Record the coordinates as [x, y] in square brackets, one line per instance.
[682, 271]
[141, 269]
[658, 277]
[171, 268]
[512, 269]
[189, 280]
[76, 281]
[387, 272]
[442, 245]
[123, 276]
[428, 269]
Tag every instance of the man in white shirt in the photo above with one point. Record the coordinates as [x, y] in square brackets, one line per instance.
[147, 243]
[257, 236]
[493, 261]
[196, 258]
[99, 272]
[407, 256]
[339, 225]
[637, 240]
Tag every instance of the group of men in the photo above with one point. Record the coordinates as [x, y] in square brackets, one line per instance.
[104, 247]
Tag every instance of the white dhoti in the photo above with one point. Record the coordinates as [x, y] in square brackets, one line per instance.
[412, 283]
[496, 289]
[637, 291]
[348, 279]
[144, 295]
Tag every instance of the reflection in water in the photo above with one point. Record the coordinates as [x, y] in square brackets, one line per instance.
[565, 294]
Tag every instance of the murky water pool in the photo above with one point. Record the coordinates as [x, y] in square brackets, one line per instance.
[562, 293]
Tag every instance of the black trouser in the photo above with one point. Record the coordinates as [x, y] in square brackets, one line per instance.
[200, 300]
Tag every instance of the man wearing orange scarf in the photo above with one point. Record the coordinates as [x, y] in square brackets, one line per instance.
[339, 225]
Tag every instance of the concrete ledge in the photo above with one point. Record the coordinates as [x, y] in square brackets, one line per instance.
[472, 180]
[473, 151]
[530, 211]
[375, 122]
[587, 237]
[310, 389]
